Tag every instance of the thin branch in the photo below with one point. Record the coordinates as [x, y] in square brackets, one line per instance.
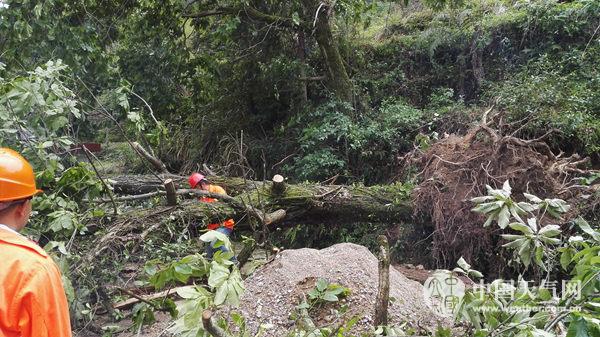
[312, 78]
[212, 12]
[108, 114]
[250, 12]
[147, 105]
[210, 326]
[110, 195]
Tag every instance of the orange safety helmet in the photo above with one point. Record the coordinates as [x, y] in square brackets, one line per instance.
[16, 176]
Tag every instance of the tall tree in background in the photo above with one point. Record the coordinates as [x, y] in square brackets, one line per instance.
[302, 17]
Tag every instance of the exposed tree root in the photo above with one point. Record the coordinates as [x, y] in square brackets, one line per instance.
[456, 169]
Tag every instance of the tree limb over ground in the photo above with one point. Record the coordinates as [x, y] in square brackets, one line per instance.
[302, 201]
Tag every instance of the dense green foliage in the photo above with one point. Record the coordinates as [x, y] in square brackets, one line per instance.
[255, 88]
[210, 77]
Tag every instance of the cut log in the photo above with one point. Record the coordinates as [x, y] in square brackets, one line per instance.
[146, 183]
[278, 187]
[171, 193]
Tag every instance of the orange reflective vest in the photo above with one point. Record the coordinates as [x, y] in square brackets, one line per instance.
[32, 298]
[229, 223]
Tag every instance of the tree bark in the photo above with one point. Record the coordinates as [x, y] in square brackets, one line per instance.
[301, 55]
[337, 76]
[211, 327]
[317, 18]
[383, 294]
[278, 187]
[299, 202]
[171, 193]
[158, 165]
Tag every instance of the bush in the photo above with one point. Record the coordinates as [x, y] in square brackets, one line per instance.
[335, 140]
[560, 90]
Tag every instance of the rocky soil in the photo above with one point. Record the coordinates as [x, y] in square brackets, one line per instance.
[272, 291]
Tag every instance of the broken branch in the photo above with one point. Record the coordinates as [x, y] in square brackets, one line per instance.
[210, 326]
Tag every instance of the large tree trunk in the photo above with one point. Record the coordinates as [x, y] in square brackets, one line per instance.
[337, 76]
[301, 202]
[317, 15]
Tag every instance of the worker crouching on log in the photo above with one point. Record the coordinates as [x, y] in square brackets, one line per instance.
[32, 298]
[198, 181]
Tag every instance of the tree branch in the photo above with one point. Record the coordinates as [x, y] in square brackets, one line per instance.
[250, 12]
[212, 12]
[211, 327]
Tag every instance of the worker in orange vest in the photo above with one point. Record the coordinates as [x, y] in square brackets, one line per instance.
[198, 181]
[32, 298]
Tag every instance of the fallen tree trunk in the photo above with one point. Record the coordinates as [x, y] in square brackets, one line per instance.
[146, 183]
[300, 202]
[297, 204]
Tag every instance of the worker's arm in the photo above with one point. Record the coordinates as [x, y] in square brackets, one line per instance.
[43, 304]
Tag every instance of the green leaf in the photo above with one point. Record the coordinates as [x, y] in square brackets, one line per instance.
[504, 217]
[532, 223]
[303, 305]
[577, 328]
[521, 227]
[184, 268]
[188, 292]
[585, 226]
[218, 274]
[330, 297]
[214, 237]
[512, 237]
[544, 294]
[335, 289]
[550, 231]
[515, 244]
[463, 264]
[541, 333]
[532, 198]
[488, 207]
[539, 255]
[565, 258]
[506, 188]
[321, 285]
[479, 200]
[488, 221]
[552, 241]
[296, 18]
[525, 253]
[527, 207]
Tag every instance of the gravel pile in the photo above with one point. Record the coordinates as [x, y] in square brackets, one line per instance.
[272, 291]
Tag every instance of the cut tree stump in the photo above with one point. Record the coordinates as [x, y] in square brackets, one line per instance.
[383, 295]
[171, 193]
[278, 187]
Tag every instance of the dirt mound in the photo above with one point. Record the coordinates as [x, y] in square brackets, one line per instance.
[457, 169]
[272, 291]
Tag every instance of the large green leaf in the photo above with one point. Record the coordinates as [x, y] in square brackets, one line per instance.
[521, 228]
[504, 217]
[578, 327]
